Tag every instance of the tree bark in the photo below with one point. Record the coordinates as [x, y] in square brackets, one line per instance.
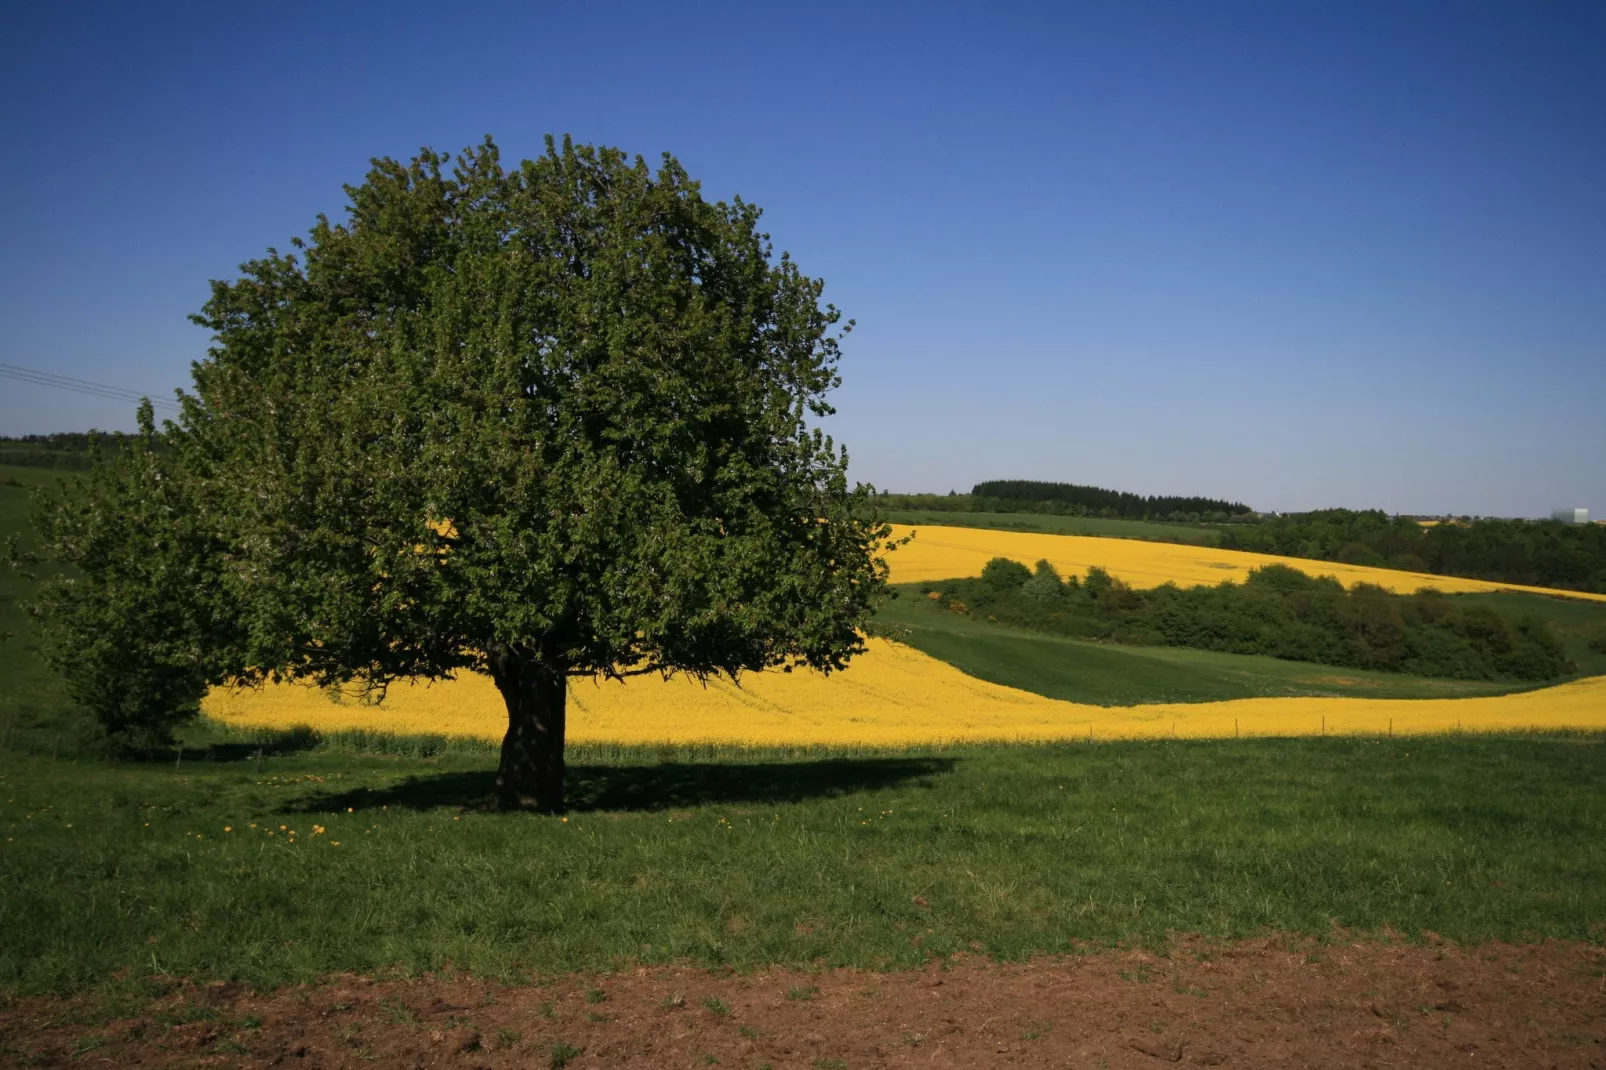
[535, 690]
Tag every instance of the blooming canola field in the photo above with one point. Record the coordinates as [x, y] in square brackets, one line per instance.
[942, 553]
[894, 695]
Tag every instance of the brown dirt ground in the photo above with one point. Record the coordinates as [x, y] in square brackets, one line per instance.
[1269, 1003]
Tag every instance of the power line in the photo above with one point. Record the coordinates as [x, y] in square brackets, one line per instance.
[82, 386]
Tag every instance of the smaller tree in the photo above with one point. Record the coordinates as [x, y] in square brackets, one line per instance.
[1045, 584]
[124, 611]
[1005, 575]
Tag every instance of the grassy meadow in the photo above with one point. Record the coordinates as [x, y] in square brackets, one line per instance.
[30, 696]
[284, 857]
[1109, 674]
[311, 862]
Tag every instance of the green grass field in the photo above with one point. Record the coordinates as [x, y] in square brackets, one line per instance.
[1574, 621]
[1113, 675]
[745, 860]
[1062, 525]
[30, 696]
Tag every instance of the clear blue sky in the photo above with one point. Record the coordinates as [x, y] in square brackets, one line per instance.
[1294, 254]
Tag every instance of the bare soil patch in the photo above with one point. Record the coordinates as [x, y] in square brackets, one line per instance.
[1260, 1004]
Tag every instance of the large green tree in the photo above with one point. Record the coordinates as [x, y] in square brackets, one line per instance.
[543, 422]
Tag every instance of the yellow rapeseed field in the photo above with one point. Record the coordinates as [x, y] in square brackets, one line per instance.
[894, 695]
[940, 553]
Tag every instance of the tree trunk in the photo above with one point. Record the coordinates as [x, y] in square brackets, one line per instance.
[535, 689]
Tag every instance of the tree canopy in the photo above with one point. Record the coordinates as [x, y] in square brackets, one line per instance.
[543, 421]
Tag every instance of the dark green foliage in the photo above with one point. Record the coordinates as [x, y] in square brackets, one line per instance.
[1045, 584]
[1097, 501]
[1535, 553]
[126, 611]
[536, 422]
[1002, 574]
[70, 450]
[1598, 643]
[743, 861]
[1280, 612]
[1108, 505]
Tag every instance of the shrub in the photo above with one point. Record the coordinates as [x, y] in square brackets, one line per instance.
[1002, 574]
[1044, 584]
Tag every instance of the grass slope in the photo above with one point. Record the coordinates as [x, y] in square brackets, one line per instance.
[1112, 675]
[747, 860]
[1152, 531]
[30, 694]
[1574, 621]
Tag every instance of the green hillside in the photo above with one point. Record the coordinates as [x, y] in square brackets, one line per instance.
[1113, 675]
[31, 699]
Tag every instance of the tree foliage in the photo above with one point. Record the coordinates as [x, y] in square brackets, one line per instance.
[544, 421]
[65, 449]
[125, 610]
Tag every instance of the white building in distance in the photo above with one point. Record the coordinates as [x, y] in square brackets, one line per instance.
[1571, 516]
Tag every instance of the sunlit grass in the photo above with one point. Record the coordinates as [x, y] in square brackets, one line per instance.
[320, 861]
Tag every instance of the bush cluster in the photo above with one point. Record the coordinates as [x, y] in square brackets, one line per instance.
[1278, 611]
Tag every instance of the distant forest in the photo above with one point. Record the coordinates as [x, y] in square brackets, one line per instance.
[64, 449]
[1069, 499]
[1541, 553]
[1096, 500]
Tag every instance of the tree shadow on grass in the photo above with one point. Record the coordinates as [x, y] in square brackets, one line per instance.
[664, 786]
[269, 745]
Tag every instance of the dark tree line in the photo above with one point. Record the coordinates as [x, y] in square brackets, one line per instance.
[1101, 502]
[1539, 553]
[64, 449]
[1279, 612]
